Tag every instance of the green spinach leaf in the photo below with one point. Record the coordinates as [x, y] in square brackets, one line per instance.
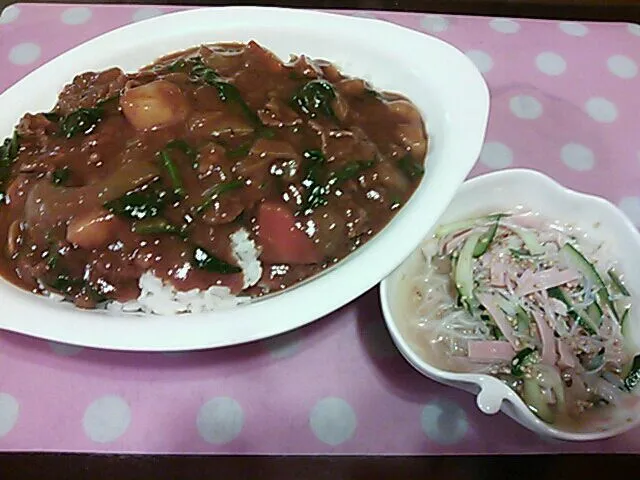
[314, 98]
[206, 261]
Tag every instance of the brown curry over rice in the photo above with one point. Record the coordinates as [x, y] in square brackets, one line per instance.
[152, 171]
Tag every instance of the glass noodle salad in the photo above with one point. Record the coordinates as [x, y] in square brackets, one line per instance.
[532, 303]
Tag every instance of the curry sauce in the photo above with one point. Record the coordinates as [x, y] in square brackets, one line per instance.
[153, 170]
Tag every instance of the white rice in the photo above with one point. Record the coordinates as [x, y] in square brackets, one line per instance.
[159, 298]
[245, 252]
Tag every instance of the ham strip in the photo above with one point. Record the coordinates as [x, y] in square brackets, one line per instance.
[544, 280]
[490, 350]
[488, 301]
[548, 340]
[567, 358]
[498, 274]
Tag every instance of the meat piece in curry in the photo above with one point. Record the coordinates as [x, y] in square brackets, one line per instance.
[152, 171]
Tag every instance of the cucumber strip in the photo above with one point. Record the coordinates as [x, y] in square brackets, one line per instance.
[578, 314]
[632, 380]
[533, 397]
[524, 320]
[625, 328]
[617, 283]
[520, 254]
[594, 312]
[505, 305]
[463, 273]
[524, 357]
[586, 320]
[624, 318]
[495, 331]
[454, 261]
[588, 270]
[448, 228]
[486, 238]
[584, 266]
[596, 362]
[528, 238]
[514, 310]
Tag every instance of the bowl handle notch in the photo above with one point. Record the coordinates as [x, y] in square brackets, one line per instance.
[492, 394]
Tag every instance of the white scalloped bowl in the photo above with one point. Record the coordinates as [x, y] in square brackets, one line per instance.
[506, 190]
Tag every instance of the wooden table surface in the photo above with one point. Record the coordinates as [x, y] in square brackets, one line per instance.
[556, 467]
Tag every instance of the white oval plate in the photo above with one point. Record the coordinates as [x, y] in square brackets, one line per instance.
[439, 79]
[600, 220]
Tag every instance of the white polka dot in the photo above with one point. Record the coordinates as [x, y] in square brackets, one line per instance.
[577, 157]
[574, 29]
[634, 29]
[76, 15]
[481, 59]
[551, 63]
[106, 419]
[434, 23]
[9, 410]
[631, 207]
[525, 107]
[504, 25]
[444, 422]
[333, 421]
[496, 155]
[9, 14]
[64, 349]
[145, 13]
[24, 53]
[601, 110]
[220, 420]
[622, 66]
[283, 346]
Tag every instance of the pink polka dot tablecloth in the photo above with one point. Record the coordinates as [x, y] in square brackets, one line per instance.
[565, 100]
